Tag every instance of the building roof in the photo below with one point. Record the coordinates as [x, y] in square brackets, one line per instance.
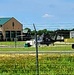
[4, 20]
[25, 31]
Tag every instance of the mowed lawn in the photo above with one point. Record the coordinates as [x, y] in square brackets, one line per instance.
[45, 48]
[19, 46]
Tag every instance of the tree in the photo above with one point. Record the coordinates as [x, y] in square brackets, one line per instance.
[73, 29]
[33, 32]
[28, 29]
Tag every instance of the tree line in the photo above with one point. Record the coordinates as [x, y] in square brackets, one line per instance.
[63, 32]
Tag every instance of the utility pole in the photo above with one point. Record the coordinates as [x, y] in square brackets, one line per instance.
[36, 44]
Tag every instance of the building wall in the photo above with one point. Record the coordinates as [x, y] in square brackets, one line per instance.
[71, 34]
[1, 36]
[0, 28]
[11, 25]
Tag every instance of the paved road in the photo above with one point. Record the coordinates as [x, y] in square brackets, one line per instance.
[33, 52]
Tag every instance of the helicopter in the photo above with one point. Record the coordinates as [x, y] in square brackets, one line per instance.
[47, 39]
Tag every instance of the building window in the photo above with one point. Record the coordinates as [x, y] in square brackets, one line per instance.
[18, 32]
[13, 25]
[0, 25]
[7, 33]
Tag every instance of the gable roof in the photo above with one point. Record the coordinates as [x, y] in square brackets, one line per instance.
[4, 20]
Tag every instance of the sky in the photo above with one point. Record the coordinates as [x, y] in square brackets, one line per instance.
[49, 14]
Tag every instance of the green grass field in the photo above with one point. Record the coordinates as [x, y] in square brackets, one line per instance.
[69, 40]
[23, 42]
[44, 48]
[25, 64]
[10, 46]
[12, 42]
[20, 64]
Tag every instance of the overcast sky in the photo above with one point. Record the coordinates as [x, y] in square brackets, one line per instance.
[47, 13]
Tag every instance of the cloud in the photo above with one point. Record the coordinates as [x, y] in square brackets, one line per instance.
[47, 16]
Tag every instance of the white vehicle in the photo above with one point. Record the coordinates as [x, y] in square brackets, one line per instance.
[31, 42]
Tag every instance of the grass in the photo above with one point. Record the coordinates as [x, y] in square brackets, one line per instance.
[22, 64]
[12, 42]
[10, 46]
[44, 48]
[69, 40]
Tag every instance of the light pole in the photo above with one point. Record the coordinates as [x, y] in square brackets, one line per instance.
[36, 44]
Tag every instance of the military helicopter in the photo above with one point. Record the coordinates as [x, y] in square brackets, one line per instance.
[47, 39]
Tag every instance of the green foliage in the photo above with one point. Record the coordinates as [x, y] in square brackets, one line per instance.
[40, 32]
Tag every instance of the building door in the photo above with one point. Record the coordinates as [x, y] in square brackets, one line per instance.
[18, 35]
[13, 35]
[7, 34]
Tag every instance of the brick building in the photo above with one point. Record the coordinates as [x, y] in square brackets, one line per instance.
[10, 28]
